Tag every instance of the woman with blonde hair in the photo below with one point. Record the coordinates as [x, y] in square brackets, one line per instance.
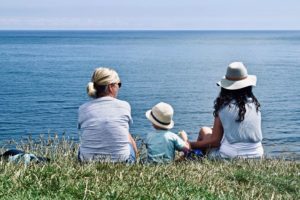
[236, 132]
[104, 121]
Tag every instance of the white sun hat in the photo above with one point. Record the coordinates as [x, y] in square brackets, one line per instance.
[237, 77]
[161, 115]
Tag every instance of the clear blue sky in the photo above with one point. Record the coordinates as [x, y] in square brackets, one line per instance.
[150, 14]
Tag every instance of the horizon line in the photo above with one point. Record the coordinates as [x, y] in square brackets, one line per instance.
[149, 29]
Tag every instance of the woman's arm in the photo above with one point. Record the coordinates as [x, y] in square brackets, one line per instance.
[131, 140]
[214, 140]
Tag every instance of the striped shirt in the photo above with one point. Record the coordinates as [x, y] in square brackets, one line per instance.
[104, 126]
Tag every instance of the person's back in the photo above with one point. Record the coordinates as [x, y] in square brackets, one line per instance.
[104, 121]
[236, 132]
[161, 143]
[248, 130]
[241, 139]
[104, 124]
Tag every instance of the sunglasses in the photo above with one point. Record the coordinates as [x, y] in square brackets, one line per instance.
[119, 84]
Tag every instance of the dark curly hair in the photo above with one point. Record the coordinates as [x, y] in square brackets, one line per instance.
[240, 96]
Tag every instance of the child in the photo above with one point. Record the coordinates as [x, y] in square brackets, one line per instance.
[162, 143]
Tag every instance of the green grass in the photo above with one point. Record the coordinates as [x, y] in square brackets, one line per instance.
[65, 178]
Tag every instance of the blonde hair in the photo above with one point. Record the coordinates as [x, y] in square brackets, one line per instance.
[101, 77]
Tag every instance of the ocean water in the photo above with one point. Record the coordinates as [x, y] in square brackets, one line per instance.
[44, 75]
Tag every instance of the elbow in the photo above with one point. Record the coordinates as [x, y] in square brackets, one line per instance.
[216, 144]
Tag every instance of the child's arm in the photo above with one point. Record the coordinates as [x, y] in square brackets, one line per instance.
[184, 137]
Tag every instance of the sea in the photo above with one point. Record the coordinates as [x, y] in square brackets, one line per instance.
[43, 78]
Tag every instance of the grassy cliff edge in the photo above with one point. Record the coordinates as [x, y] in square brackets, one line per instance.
[65, 178]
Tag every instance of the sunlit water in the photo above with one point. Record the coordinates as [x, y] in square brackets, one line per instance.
[44, 75]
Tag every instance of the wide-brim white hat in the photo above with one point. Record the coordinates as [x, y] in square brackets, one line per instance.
[161, 115]
[237, 77]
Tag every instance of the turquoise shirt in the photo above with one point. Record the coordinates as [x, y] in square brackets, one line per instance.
[161, 146]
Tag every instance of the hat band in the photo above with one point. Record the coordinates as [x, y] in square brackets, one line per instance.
[235, 78]
[163, 123]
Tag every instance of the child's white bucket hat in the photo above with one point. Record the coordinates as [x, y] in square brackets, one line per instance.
[237, 77]
[161, 115]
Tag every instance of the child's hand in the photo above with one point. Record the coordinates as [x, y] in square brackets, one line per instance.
[183, 135]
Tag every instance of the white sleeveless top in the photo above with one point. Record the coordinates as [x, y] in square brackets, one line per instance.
[241, 139]
[242, 150]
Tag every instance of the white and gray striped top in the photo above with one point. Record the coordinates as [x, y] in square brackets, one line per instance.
[104, 127]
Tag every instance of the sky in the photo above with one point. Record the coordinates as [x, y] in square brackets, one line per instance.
[150, 14]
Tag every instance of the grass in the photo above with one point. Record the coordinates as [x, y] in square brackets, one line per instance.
[65, 178]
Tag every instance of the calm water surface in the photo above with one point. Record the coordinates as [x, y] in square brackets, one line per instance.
[44, 74]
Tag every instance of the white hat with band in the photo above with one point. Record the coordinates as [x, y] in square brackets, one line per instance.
[237, 77]
[161, 115]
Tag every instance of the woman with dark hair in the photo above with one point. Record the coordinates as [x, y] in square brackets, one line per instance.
[236, 132]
